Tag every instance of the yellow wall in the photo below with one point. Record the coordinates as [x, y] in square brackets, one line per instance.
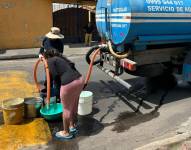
[24, 22]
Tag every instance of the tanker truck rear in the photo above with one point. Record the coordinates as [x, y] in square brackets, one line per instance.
[144, 37]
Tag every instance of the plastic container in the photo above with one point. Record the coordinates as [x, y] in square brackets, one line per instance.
[52, 98]
[13, 111]
[32, 106]
[85, 103]
[54, 111]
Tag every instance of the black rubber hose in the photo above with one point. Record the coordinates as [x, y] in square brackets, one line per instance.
[92, 49]
[102, 49]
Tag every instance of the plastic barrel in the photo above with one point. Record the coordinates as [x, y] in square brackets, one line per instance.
[13, 111]
[85, 103]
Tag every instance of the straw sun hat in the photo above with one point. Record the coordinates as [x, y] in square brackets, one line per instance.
[54, 33]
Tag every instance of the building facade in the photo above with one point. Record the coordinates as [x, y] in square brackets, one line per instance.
[23, 23]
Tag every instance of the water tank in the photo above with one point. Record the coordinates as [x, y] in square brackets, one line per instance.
[144, 22]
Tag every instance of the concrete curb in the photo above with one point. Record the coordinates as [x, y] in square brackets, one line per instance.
[18, 57]
[181, 136]
[166, 142]
[69, 51]
[27, 56]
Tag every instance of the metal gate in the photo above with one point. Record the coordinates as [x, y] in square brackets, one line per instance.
[71, 21]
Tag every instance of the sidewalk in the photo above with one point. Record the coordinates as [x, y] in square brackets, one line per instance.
[180, 141]
[70, 50]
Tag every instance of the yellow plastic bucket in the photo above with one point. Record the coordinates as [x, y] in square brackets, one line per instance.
[13, 111]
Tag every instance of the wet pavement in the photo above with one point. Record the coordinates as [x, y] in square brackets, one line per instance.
[120, 120]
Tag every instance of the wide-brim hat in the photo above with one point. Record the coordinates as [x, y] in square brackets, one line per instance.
[54, 33]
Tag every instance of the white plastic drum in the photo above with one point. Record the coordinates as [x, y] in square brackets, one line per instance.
[85, 103]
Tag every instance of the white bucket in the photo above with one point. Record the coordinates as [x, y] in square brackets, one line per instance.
[85, 103]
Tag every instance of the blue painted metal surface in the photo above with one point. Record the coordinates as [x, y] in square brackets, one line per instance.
[101, 19]
[144, 21]
[187, 72]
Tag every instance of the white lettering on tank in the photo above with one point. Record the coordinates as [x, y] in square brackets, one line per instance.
[157, 2]
[116, 25]
[167, 2]
[180, 9]
[178, 2]
[187, 9]
[121, 9]
[167, 6]
[160, 8]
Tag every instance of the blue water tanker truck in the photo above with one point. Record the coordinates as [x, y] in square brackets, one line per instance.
[144, 37]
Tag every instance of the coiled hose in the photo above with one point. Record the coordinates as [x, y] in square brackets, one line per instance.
[107, 48]
[96, 50]
[120, 56]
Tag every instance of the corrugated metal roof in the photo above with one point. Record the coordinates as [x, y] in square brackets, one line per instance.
[81, 2]
[59, 6]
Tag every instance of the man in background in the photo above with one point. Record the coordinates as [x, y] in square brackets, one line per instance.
[88, 34]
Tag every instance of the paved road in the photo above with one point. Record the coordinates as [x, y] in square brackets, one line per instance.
[114, 123]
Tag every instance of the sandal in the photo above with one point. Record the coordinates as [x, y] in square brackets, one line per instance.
[60, 135]
[73, 130]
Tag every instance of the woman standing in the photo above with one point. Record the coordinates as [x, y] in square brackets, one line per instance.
[72, 83]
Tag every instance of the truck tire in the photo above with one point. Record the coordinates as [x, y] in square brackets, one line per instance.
[92, 49]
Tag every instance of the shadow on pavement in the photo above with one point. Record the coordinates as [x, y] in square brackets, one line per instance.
[87, 126]
[63, 145]
[158, 90]
[2, 51]
[126, 120]
[124, 95]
